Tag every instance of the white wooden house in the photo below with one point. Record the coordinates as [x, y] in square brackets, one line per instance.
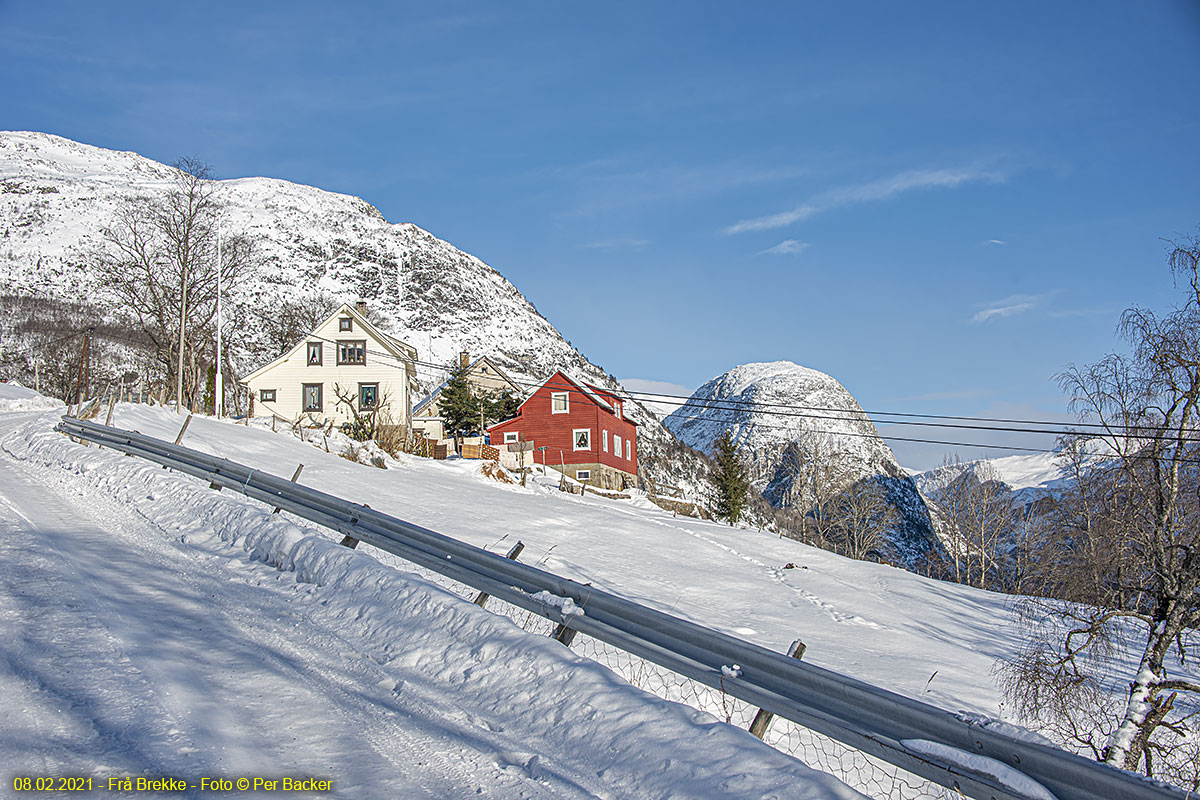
[345, 356]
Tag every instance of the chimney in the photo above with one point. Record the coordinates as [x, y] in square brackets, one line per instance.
[361, 307]
[464, 360]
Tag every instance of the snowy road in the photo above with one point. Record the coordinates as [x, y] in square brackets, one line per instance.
[135, 641]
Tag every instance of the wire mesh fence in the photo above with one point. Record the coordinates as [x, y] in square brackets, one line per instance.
[869, 775]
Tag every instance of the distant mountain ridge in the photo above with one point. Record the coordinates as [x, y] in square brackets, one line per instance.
[56, 194]
[769, 407]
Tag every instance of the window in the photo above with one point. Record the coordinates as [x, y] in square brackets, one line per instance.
[558, 403]
[616, 445]
[352, 352]
[314, 354]
[368, 396]
[617, 409]
[313, 397]
[511, 437]
[266, 395]
[583, 474]
[582, 438]
[345, 324]
[628, 449]
[604, 440]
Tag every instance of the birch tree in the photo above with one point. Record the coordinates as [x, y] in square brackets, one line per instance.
[157, 258]
[1130, 538]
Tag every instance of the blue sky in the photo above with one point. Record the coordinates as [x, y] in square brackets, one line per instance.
[940, 204]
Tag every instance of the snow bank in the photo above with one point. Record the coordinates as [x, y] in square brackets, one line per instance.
[15, 397]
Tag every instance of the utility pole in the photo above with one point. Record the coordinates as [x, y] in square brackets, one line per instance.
[219, 393]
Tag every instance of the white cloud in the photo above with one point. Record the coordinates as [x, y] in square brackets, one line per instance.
[866, 192]
[997, 242]
[1008, 307]
[788, 247]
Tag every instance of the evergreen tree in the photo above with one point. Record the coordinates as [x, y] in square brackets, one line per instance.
[458, 406]
[729, 480]
[501, 406]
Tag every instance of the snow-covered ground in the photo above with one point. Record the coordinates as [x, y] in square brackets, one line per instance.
[153, 627]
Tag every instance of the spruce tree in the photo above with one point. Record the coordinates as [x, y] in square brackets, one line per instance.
[501, 406]
[729, 480]
[458, 406]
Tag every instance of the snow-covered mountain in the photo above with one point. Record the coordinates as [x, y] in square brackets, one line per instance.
[775, 410]
[56, 195]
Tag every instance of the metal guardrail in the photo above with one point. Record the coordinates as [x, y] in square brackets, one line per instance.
[853, 712]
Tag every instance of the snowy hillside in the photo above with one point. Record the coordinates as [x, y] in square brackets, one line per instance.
[772, 408]
[56, 194]
[191, 601]
[152, 627]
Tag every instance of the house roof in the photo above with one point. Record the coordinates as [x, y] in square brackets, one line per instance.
[421, 406]
[405, 352]
[591, 392]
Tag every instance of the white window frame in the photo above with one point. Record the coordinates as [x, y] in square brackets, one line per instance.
[566, 399]
[617, 445]
[575, 439]
[583, 474]
[604, 439]
[628, 449]
[617, 408]
[511, 437]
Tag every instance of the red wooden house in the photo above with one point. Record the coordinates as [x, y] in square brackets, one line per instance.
[578, 428]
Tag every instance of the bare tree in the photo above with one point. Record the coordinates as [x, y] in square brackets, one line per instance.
[157, 258]
[862, 518]
[296, 318]
[365, 420]
[810, 479]
[1131, 534]
[977, 515]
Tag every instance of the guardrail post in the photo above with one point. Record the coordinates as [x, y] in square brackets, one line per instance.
[564, 634]
[511, 555]
[762, 720]
[295, 479]
[348, 540]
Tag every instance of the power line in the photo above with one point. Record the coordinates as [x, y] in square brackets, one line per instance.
[856, 416]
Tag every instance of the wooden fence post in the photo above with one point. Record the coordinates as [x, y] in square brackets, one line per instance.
[511, 555]
[111, 406]
[295, 478]
[762, 720]
[183, 430]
